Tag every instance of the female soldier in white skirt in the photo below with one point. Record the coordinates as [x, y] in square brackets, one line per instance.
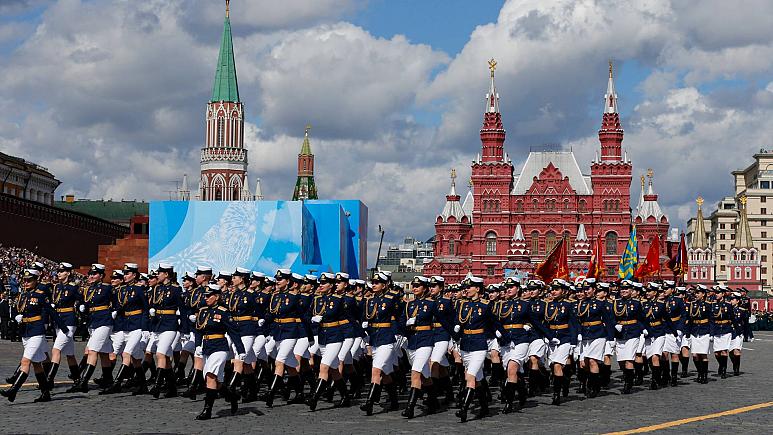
[563, 329]
[34, 309]
[700, 333]
[241, 305]
[740, 318]
[97, 299]
[516, 319]
[65, 298]
[165, 305]
[675, 326]
[654, 308]
[474, 318]
[721, 330]
[637, 291]
[538, 346]
[596, 328]
[213, 323]
[628, 324]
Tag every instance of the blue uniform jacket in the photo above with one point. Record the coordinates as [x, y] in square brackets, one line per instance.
[132, 307]
[595, 319]
[335, 325]
[540, 327]
[285, 311]
[35, 308]
[212, 325]
[513, 315]
[242, 307]
[167, 300]
[629, 314]
[65, 298]
[261, 306]
[353, 314]
[654, 318]
[421, 333]
[561, 321]
[700, 314]
[740, 317]
[721, 318]
[379, 311]
[98, 299]
[676, 317]
[475, 318]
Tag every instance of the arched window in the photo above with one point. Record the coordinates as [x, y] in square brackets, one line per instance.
[519, 206]
[550, 241]
[491, 243]
[582, 205]
[566, 204]
[219, 186]
[220, 131]
[534, 243]
[451, 247]
[611, 243]
[535, 203]
[235, 193]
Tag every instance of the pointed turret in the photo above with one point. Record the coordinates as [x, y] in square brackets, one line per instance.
[582, 236]
[611, 132]
[453, 207]
[305, 188]
[492, 135]
[258, 191]
[184, 194]
[469, 202]
[226, 87]
[581, 247]
[699, 240]
[518, 248]
[648, 202]
[245, 193]
[743, 234]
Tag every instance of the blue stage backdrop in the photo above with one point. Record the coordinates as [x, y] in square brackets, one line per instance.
[318, 235]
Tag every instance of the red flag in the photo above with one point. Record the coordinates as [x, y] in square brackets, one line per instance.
[556, 265]
[596, 266]
[651, 263]
[678, 264]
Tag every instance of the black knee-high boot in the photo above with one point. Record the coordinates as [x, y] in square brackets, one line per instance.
[193, 386]
[654, 384]
[467, 396]
[558, 384]
[593, 385]
[508, 393]
[674, 373]
[374, 394]
[413, 397]
[391, 390]
[45, 390]
[171, 383]
[75, 372]
[10, 393]
[723, 366]
[276, 384]
[51, 375]
[685, 361]
[628, 375]
[736, 364]
[534, 381]
[520, 387]
[346, 400]
[639, 370]
[82, 385]
[606, 375]
[582, 378]
[483, 401]
[322, 386]
[209, 401]
[140, 382]
[155, 390]
[12, 379]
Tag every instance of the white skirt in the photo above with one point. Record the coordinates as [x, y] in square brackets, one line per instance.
[473, 363]
[538, 348]
[165, 342]
[270, 346]
[700, 344]
[673, 344]
[560, 353]
[259, 348]
[737, 343]
[177, 343]
[626, 349]
[118, 338]
[493, 345]
[654, 346]
[301, 348]
[419, 360]
[248, 342]
[99, 339]
[439, 353]
[215, 364]
[188, 343]
[133, 344]
[518, 353]
[330, 354]
[345, 354]
[284, 352]
[722, 342]
[609, 348]
[357, 347]
[384, 357]
[35, 348]
[314, 348]
[594, 349]
[640, 349]
[65, 343]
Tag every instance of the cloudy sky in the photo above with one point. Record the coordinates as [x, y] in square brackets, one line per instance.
[110, 94]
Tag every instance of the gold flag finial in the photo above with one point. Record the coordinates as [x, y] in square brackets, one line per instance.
[227, 8]
[492, 65]
[610, 67]
[470, 183]
[743, 200]
[699, 201]
[453, 175]
[642, 180]
[306, 130]
[650, 172]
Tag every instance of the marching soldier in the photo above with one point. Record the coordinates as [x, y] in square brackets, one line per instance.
[64, 299]
[721, 330]
[740, 317]
[562, 330]
[195, 302]
[165, 304]
[654, 308]
[628, 324]
[516, 319]
[700, 332]
[596, 328]
[675, 327]
[34, 310]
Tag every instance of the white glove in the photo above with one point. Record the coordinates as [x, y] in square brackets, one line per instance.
[645, 332]
[53, 306]
[364, 325]
[152, 312]
[410, 321]
[18, 318]
[579, 338]
[261, 322]
[555, 341]
[82, 308]
[241, 356]
[177, 312]
[527, 327]
[457, 328]
[679, 333]
[316, 319]
[114, 314]
[192, 317]
[619, 328]
[498, 334]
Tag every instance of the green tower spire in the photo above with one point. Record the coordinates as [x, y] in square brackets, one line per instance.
[226, 87]
[305, 188]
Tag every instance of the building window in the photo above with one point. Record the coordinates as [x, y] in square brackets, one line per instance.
[721, 226]
[534, 243]
[611, 243]
[722, 258]
[763, 199]
[764, 184]
[737, 273]
[582, 205]
[722, 236]
[764, 258]
[764, 270]
[703, 273]
[748, 273]
[721, 268]
[451, 247]
[764, 223]
[220, 131]
[764, 234]
[490, 270]
[550, 241]
[491, 243]
[721, 247]
[763, 211]
[235, 194]
[218, 193]
[519, 206]
[764, 246]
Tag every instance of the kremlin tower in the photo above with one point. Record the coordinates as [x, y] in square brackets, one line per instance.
[304, 186]
[223, 158]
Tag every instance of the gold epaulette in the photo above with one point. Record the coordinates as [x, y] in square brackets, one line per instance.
[484, 301]
[222, 308]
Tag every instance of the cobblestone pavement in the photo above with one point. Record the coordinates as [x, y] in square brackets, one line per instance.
[91, 413]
